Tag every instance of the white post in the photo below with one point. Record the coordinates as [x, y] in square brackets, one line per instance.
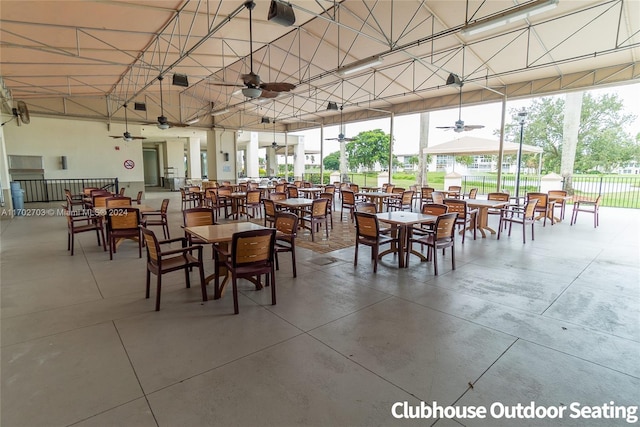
[251, 158]
[193, 159]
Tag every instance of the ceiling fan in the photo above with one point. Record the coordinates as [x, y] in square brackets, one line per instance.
[20, 113]
[341, 136]
[126, 135]
[459, 124]
[253, 87]
[162, 122]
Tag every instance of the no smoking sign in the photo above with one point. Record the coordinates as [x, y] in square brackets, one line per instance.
[129, 164]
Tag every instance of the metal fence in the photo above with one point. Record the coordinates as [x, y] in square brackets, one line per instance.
[616, 191]
[51, 190]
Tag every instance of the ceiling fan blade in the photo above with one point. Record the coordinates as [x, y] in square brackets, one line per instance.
[225, 84]
[277, 87]
[269, 94]
[445, 127]
[472, 127]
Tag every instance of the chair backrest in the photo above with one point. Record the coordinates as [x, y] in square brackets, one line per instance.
[327, 196]
[598, 200]
[243, 187]
[297, 183]
[348, 197]
[501, 197]
[193, 189]
[397, 190]
[122, 190]
[153, 247]
[253, 196]
[367, 207]
[434, 209]
[390, 188]
[407, 197]
[87, 190]
[445, 225]
[225, 191]
[281, 188]
[123, 218]
[277, 195]
[384, 188]
[330, 189]
[306, 184]
[139, 197]
[292, 191]
[458, 206]
[269, 207]
[454, 188]
[164, 206]
[287, 223]
[193, 217]
[473, 193]
[100, 201]
[437, 197]
[252, 186]
[252, 247]
[367, 224]
[355, 188]
[543, 199]
[530, 208]
[557, 193]
[117, 201]
[426, 192]
[319, 207]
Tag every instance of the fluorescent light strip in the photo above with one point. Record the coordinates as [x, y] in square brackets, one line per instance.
[521, 12]
[360, 65]
[219, 112]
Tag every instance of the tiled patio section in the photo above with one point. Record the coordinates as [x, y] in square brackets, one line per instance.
[554, 321]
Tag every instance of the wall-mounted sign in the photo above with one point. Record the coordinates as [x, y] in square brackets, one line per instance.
[129, 164]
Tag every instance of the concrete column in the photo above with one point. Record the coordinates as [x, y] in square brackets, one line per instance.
[193, 158]
[272, 162]
[251, 157]
[423, 167]
[571, 125]
[212, 155]
[298, 159]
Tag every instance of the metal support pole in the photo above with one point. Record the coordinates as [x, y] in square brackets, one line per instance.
[521, 118]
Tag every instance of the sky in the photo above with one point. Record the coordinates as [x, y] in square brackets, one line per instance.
[407, 127]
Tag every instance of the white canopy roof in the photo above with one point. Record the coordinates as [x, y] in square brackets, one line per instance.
[472, 146]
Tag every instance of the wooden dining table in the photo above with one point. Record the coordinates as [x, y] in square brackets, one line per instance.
[483, 206]
[377, 197]
[220, 234]
[402, 223]
[311, 192]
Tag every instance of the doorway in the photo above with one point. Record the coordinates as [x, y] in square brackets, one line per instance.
[151, 167]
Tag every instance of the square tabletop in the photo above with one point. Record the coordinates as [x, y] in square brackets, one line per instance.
[221, 232]
[294, 202]
[405, 218]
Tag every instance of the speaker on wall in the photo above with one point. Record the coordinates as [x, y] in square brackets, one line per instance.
[63, 161]
[180, 80]
[281, 13]
[226, 157]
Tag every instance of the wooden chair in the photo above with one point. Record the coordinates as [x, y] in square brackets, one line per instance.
[158, 218]
[315, 217]
[455, 192]
[77, 223]
[329, 197]
[466, 217]
[269, 212]
[368, 234]
[114, 202]
[224, 199]
[560, 202]
[121, 193]
[590, 206]
[188, 199]
[367, 207]
[276, 195]
[72, 200]
[123, 223]
[252, 255]
[297, 184]
[405, 201]
[281, 188]
[160, 262]
[442, 237]
[524, 215]
[252, 201]
[139, 197]
[286, 224]
[425, 195]
[348, 202]
[472, 193]
[544, 206]
[194, 217]
[501, 197]
[437, 197]
[292, 192]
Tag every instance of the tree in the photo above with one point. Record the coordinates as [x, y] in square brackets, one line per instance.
[332, 161]
[602, 144]
[368, 148]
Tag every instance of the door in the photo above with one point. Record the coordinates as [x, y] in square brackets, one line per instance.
[151, 167]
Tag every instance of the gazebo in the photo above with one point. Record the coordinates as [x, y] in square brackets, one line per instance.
[473, 146]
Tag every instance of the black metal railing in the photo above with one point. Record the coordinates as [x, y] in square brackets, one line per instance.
[52, 190]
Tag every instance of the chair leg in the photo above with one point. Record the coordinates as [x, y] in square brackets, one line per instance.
[355, 258]
[435, 260]
[203, 283]
[273, 286]
[293, 257]
[158, 291]
[187, 278]
[147, 294]
[374, 252]
[453, 257]
[277, 263]
[234, 283]
[524, 227]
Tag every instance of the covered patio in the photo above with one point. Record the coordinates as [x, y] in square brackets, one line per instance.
[555, 322]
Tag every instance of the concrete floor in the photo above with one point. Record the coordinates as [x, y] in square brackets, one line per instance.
[554, 322]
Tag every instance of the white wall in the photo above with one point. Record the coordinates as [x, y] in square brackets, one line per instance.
[90, 152]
